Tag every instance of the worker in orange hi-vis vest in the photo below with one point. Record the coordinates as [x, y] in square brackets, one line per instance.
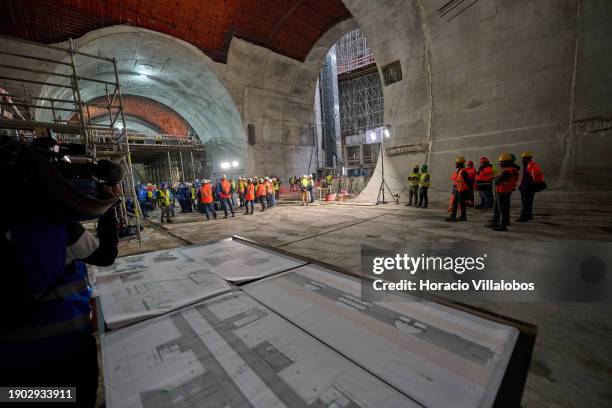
[225, 195]
[249, 197]
[532, 181]
[206, 198]
[462, 184]
[484, 183]
[260, 193]
[505, 183]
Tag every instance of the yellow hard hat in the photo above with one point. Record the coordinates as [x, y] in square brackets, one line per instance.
[527, 154]
[460, 159]
[505, 157]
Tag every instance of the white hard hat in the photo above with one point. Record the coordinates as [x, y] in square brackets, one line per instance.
[223, 177]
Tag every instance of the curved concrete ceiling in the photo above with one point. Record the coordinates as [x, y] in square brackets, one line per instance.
[288, 27]
[149, 111]
[167, 70]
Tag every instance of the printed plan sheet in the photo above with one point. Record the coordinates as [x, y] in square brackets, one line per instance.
[231, 351]
[238, 261]
[141, 286]
[301, 338]
[438, 356]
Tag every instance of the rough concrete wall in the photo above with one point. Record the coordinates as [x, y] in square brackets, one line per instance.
[503, 76]
[276, 95]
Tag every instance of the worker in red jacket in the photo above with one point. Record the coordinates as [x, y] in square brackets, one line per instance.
[505, 184]
[261, 193]
[462, 184]
[249, 196]
[206, 198]
[484, 183]
[471, 171]
[225, 195]
[532, 181]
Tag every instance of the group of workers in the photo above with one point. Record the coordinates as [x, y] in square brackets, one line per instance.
[494, 186]
[419, 184]
[486, 180]
[201, 196]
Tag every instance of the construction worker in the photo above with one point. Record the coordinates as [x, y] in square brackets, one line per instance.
[292, 183]
[225, 195]
[471, 171]
[249, 196]
[276, 185]
[234, 191]
[269, 192]
[413, 184]
[461, 186]
[163, 200]
[311, 187]
[424, 184]
[484, 183]
[304, 184]
[532, 181]
[193, 196]
[261, 193]
[505, 184]
[142, 200]
[242, 183]
[206, 200]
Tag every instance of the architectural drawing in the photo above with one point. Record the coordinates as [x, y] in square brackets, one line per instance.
[133, 296]
[232, 351]
[238, 261]
[436, 355]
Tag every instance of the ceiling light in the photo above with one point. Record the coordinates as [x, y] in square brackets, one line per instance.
[225, 165]
[235, 163]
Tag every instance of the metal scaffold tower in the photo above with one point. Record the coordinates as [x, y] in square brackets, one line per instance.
[353, 52]
[361, 104]
[42, 92]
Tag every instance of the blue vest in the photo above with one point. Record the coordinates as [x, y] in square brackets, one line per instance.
[59, 316]
[142, 195]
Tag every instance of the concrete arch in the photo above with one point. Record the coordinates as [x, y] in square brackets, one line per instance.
[174, 73]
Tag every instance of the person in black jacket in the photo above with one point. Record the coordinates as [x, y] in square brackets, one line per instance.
[46, 338]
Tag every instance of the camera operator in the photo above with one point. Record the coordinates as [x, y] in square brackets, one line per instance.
[46, 337]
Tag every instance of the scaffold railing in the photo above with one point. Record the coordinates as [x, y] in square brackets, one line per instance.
[32, 75]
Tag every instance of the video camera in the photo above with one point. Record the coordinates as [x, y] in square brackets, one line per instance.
[68, 180]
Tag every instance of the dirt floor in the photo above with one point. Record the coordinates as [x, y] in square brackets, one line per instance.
[572, 361]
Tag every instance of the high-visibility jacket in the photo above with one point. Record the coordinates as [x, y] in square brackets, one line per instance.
[535, 171]
[304, 183]
[425, 180]
[233, 184]
[329, 178]
[261, 190]
[509, 184]
[276, 185]
[193, 193]
[51, 325]
[458, 180]
[249, 194]
[269, 187]
[414, 179]
[206, 194]
[471, 171]
[241, 186]
[163, 197]
[485, 176]
[226, 189]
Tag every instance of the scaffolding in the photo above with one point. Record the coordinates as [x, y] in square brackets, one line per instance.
[53, 70]
[353, 52]
[361, 104]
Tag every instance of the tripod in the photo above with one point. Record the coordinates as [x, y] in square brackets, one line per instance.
[383, 183]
